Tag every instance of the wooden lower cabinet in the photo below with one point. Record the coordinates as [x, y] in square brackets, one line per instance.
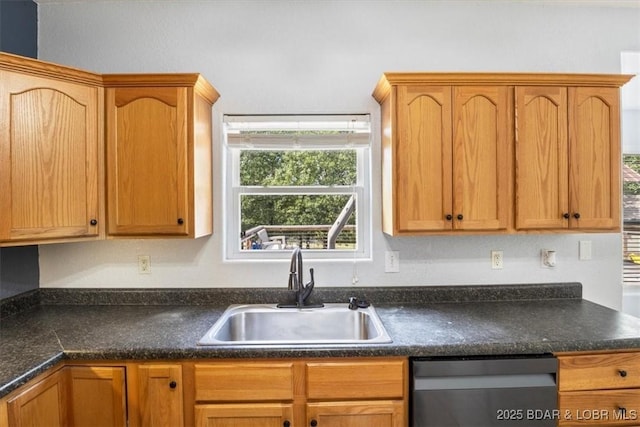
[157, 395]
[39, 404]
[244, 415]
[345, 392]
[356, 392]
[599, 389]
[97, 396]
[385, 413]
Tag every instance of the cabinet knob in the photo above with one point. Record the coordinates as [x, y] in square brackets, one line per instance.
[180, 221]
[460, 217]
[449, 217]
[566, 215]
[622, 373]
[286, 423]
[313, 423]
[173, 384]
[93, 222]
[576, 215]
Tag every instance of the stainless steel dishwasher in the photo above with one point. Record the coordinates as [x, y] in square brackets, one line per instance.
[484, 392]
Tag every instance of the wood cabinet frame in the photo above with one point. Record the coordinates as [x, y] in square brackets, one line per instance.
[389, 90]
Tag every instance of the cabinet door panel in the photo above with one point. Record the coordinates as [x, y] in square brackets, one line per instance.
[541, 158]
[423, 160]
[599, 407]
[594, 147]
[49, 152]
[357, 414]
[147, 161]
[42, 404]
[160, 395]
[481, 158]
[244, 415]
[97, 396]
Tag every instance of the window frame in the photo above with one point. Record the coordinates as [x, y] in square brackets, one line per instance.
[233, 191]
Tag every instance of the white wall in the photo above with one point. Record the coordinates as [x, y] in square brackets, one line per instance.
[326, 57]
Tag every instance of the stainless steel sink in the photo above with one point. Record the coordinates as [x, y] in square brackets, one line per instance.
[265, 324]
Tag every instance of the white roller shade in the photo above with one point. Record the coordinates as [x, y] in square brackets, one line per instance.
[297, 131]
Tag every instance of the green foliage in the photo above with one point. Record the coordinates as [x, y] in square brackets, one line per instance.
[282, 168]
[295, 168]
[632, 161]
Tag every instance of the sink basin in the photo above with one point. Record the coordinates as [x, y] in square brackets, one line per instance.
[265, 324]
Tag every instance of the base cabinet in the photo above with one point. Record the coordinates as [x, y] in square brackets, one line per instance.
[601, 389]
[314, 392]
[157, 395]
[356, 414]
[345, 392]
[97, 396]
[244, 415]
[39, 404]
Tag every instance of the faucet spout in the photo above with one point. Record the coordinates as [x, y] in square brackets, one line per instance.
[296, 281]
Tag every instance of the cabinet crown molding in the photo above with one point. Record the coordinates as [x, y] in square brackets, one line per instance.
[201, 85]
[40, 68]
[17, 63]
[390, 79]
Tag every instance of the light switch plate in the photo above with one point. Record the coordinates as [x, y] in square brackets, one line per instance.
[585, 250]
[392, 262]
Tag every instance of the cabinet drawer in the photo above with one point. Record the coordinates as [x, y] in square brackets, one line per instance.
[600, 407]
[244, 414]
[356, 380]
[599, 371]
[244, 382]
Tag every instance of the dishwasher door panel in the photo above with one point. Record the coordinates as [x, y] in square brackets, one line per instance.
[508, 407]
[511, 392]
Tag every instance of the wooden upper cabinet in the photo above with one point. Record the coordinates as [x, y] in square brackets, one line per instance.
[51, 151]
[568, 158]
[499, 152]
[482, 152]
[446, 158]
[423, 159]
[159, 165]
[594, 158]
[542, 187]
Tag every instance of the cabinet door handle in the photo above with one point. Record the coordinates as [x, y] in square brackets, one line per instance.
[93, 222]
[576, 215]
[566, 215]
[622, 373]
[460, 217]
[313, 423]
[173, 384]
[286, 423]
[449, 217]
[180, 221]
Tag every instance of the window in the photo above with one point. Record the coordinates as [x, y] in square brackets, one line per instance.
[630, 109]
[297, 181]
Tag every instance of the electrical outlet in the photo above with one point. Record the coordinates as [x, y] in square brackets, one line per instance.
[496, 260]
[144, 264]
[392, 262]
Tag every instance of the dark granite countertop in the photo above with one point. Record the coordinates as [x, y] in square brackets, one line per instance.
[423, 322]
